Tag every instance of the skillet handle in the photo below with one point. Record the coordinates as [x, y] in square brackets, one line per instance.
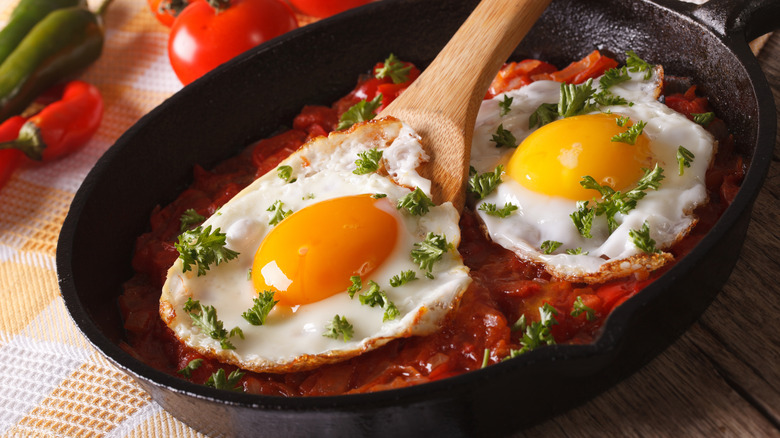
[752, 18]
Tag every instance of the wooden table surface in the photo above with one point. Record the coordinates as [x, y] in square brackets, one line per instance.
[722, 377]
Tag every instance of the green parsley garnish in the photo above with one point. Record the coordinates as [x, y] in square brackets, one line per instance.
[339, 327]
[684, 159]
[359, 112]
[583, 218]
[576, 99]
[622, 121]
[357, 284]
[631, 134]
[576, 251]
[703, 119]
[578, 308]
[493, 210]
[285, 173]
[605, 98]
[403, 278]
[193, 365]
[637, 64]
[395, 69]
[549, 246]
[505, 106]
[642, 239]
[367, 161]
[219, 381]
[429, 251]
[537, 333]
[262, 306]
[485, 358]
[205, 317]
[482, 184]
[202, 247]
[374, 296]
[503, 138]
[546, 113]
[614, 76]
[613, 202]
[417, 203]
[278, 212]
[379, 195]
[189, 218]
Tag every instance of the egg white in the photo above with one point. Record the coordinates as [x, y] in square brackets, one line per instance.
[667, 211]
[292, 339]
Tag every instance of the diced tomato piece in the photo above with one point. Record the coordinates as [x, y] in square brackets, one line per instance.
[517, 74]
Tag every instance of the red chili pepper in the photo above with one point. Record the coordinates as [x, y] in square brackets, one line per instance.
[63, 126]
[9, 159]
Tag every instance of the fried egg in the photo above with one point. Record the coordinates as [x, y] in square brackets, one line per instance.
[542, 176]
[305, 236]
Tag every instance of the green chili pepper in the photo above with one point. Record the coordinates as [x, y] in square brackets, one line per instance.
[26, 15]
[61, 45]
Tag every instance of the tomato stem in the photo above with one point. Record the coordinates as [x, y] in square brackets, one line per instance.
[219, 5]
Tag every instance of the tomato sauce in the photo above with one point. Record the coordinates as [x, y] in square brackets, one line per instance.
[503, 289]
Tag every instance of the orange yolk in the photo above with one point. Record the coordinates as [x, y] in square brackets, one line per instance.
[554, 158]
[312, 254]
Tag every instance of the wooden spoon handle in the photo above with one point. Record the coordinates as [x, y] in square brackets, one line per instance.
[445, 99]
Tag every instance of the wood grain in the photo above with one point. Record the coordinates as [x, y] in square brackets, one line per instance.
[722, 377]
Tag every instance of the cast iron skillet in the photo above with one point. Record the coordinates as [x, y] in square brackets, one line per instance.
[261, 91]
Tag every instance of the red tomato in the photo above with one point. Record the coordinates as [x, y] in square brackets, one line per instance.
[326, 8]
[202, 38]
[166, 10]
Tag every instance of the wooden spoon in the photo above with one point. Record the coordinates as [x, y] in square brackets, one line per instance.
[442, 104]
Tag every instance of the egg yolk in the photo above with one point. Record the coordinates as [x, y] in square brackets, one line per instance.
[554, 159]
[312, 254]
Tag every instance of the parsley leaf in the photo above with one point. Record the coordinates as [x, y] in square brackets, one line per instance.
[482, 184]
[642, 240]
[537, 333]
[379, 195]
[549, 246]
[637, 64]
[357, 284]
[583, 218]
[430, 250]
[505, 106]
[262, 306]
[493, 210]
[546, 113]
[503, 138]
[684, 158]
[285, 173]
[339, 326]
[374, 296]
[202, 248]
[704, 119]
[403, 278]
[189, 218]
[278, 212]
[576, 99]
[631, 134]
[367, 161]
[205, 317]
[193, 365]
[614, 76]
[219, 381]
[605, 98]
[416, 202]
[578, 308]
[395, 69]
[613, 202]
[359, 112]
[576, 251]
